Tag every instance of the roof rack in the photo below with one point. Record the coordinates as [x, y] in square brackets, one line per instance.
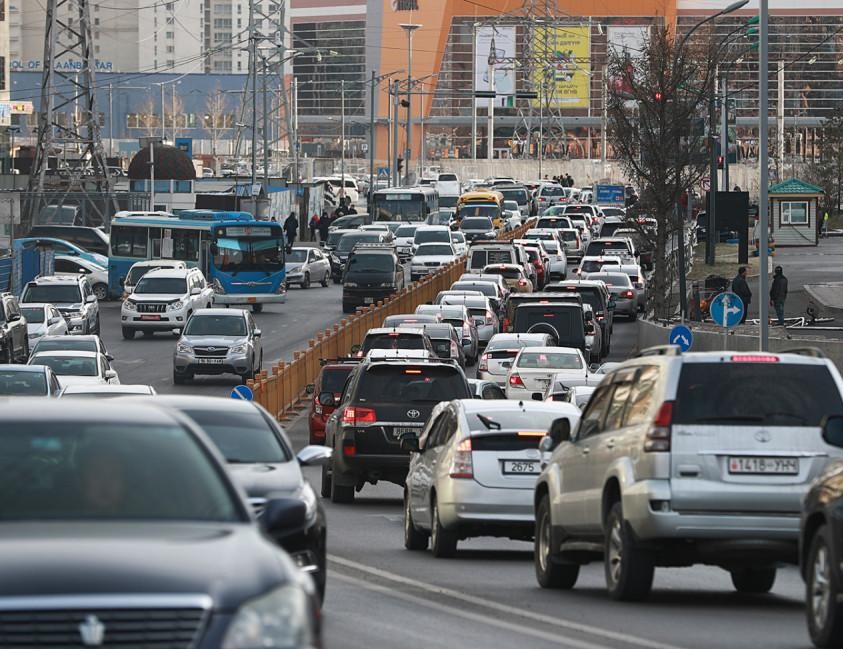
[812, 352]
[660, 350]
[339, 360]
[370, 246]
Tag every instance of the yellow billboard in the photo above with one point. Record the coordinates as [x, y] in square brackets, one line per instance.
[561, 71]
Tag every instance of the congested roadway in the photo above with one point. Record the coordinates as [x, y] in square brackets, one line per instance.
[381, 596]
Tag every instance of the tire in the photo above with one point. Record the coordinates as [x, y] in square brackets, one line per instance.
[326, 482]
[324, 281]
[629, 571]
[128, 333]
[549, 573]
[101, 292]
[634, 315]
[414, 539]
[755, 580]
[179, 379]
[443, 544]
[824, 614]
[341, 494]
[305, 283]
[257, 308]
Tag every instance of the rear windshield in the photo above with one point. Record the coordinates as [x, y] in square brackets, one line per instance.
[508, 273]
[552, 190]
[486, 289]
[477, 224]
[394, 340]
[549, 224]
[432, 236]
[569, 235]
[348, 241]
[20, 383]
[608, 229]
[480, 258]
[333, 379]
[514, 420]
[596, 248]
[550, 360]
[594, 265]
[514, 344]
[517, 195]
[766, 394]
[412, 384]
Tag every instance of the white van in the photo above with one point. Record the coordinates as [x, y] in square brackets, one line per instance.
[448, 185]
[348, 188]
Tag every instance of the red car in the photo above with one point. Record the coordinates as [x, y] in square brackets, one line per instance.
[331, 380]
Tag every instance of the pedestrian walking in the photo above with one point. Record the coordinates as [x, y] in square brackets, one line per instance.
[740, 287]
[291, 228]
[778, 294]
[825, 225]
[324, 226]
[314, 226]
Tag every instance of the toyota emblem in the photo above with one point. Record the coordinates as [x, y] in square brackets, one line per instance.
[763, 436]
[413, 414]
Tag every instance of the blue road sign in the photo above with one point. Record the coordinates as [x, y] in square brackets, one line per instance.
[242, 392]
[186, 145]
[726, 310]
[383, 172]
[682, 336]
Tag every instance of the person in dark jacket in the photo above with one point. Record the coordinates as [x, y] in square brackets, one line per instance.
[324, 225]
[740, 287]
[778, 294]
[291, 228]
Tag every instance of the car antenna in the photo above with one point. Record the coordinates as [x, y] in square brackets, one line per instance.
[489, 423]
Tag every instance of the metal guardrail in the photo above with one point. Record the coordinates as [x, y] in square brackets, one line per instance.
[282, 387]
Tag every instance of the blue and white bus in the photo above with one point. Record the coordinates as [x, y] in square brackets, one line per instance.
[242, 258]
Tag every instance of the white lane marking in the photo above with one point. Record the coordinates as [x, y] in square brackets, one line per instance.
[487, 620]
[503, 608]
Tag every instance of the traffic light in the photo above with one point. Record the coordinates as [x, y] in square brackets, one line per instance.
[752, 32]
[658, 96]
[399, 163]
[720, 162]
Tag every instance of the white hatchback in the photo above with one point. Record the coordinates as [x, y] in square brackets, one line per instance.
[534, 368]
[77, 367]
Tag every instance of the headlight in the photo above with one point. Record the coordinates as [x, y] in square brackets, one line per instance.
[130, 306]
[184, 348]
[350, 284]
[175, 306]
[278, 620]
[237, 349]
[308, 497]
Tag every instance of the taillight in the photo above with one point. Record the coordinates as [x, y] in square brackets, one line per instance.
[627, 294]
[514, 379]
[317, 407]
[349, 447]
[506, 324]
[462, 466]
[484, 363]
[455, 352]
[657, 439]
[489, 318]
[466, 330]
[600, 317]
[353, 416]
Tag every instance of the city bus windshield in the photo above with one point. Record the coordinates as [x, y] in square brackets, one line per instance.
[249, 254]
[399, 207]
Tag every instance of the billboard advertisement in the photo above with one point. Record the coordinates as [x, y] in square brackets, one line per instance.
[565, 66]
[625, 42]
[502, 53]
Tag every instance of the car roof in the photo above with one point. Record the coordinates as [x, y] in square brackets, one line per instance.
[67, 353]
[168, 272]
[240, 313]
[516, 337]
[56, 279]
[122, 388]
[378, 331]
[34, 368]
[190, 401]
[551, 349]
[70, 411]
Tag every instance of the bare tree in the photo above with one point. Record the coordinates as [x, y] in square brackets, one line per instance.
[657, 99]
[827, 172]
[216, 119]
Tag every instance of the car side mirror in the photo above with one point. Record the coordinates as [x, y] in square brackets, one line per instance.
[314, 455]
[195, 290]
[257, 333]
[593, 368]
[91, 298]
[327, 399]
[560, 431]
[612, 305]
[410, 443]
[110, 374]
[832, 430]
[284, 516]
[176, 331]
[109, 357]
[14, 317]
[310, 388]
[53, 320]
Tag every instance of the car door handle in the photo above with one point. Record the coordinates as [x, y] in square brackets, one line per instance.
[586, 450]
[610, 443]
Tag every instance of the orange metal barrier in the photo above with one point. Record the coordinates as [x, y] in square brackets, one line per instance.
[281, 387]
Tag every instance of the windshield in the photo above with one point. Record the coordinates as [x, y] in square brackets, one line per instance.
[348, 242]
[594, 265]
[241, 437]
[215, 325]
[22, 383]
[407, 231]
[65, 343]
[246, 254]
[399, 207]
[485, 288]
[768, 394]
[333, 379]
[136, 272]
[432, 236]
[551, 360]
[552, 190]
[434, 249]
[517, 195]
[477, 224]
[33, 315]
[297, 256]
[412, 384]
[393, 340]
[52, 294]
[334, 237]
[473, 209]
[569, 235]
[108, 471]
[371, 263]
[69, 365]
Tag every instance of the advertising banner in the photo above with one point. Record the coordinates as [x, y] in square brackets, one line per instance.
[625, 42]
[565, 68]
[503, 56]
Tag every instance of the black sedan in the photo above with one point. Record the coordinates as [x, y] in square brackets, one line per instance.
[821, 547]
[261, 460]
[120, 527]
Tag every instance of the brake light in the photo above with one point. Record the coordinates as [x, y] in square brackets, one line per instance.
[349, 447]
[484, 363]
[657, 439]
[455, 352]
[514, 379]
[627, 294]
[354, 416]
[466, 330]
[600, 317]
[755, 358]
[462, 466]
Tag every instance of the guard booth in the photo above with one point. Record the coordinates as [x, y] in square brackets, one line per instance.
[794, 205]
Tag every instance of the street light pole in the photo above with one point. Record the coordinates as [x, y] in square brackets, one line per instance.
[342, 139]
[409, 28]
[395, 178]
[490, 128]
[265, 126]
[763, 166]
[253, 72]
[372, 135]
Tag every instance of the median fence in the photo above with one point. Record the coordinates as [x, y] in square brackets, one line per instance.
[280, 388]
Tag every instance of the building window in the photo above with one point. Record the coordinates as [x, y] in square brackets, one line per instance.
[2, 73]
[170, 35]
[171, 20]
[794, 213]
[96, 21]
[171, 49]
[223, 23]
[171, 64]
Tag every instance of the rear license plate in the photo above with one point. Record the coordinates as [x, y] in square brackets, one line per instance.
[150, 317]
[368, 300]
[210, 361]
[764, 465]
[521, 467]
[399, 431]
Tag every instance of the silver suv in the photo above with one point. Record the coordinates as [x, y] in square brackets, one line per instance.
[72, 296]
[682, 459]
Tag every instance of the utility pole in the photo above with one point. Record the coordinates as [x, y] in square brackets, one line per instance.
[473, 89]
[780, 118]
[724, 132]
[711, 234]
[409, 28]
[295, 136]
[265, 133]
[763, 165]
[372, 135]
[110, 122]
[163, 117]
[490, 126]
[253, 65]
[396, 181]
[604, 121]
[342, 139]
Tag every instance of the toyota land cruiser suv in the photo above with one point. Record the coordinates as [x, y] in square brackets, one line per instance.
[14, 341]
[382, 401]
[72, 295]
[682, 459]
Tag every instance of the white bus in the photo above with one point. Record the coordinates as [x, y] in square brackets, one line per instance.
[411, 204]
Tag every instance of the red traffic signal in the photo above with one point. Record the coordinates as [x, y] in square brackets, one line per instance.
[720, 162]
[658, 96]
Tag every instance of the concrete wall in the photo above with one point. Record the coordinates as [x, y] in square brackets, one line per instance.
[651, 334]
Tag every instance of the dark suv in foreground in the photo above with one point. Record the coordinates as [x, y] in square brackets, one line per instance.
[383, 400]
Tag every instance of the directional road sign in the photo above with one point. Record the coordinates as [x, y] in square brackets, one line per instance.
[726, 310]
[682, 336]
[383, 172]
[242, 392]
